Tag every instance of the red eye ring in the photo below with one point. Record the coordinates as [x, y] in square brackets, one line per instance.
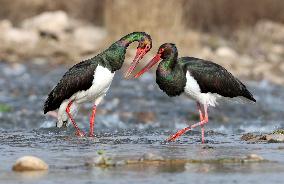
[161, 50]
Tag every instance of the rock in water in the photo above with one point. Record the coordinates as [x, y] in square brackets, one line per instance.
[151, 157]
[275, 138]
[29, 163]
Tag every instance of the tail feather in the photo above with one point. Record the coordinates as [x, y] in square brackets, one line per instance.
[247, 94]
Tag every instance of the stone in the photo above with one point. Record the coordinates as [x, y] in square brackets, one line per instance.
[11, 35]
[254, 158]
[29, 163]
[207, 147]
[247, 136]
[275, 138]
[279, 131]
[226, 52]
[151, 157]
[51, 22]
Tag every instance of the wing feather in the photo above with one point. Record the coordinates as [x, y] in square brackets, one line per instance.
[77, 78]
[214, 78]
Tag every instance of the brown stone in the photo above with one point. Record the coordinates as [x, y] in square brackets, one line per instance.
[29, 163]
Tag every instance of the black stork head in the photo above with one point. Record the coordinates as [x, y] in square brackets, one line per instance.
[144, 46]
[166, 51]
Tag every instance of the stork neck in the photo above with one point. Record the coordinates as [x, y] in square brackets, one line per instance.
[115, 54]
[169, 63]
[128, 39]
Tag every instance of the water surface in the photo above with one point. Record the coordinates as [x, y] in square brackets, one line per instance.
[135, 118]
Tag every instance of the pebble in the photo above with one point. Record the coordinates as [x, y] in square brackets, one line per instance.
[151, 157]
[207, 147]
[102, 161]
[29, 163]
[253, 157]
[226, 52]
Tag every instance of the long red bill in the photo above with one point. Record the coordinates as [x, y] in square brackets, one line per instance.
[155, 60]
[139, 55]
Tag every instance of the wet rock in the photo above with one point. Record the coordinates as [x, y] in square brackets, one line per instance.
[151, 157]
[253, 158]
[280, 131]
[29, 163]
[247, 136]
[275, 138]
[103, 161]
[207, 147]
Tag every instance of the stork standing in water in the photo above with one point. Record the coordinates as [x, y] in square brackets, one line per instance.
[204, 81]
[89, 81]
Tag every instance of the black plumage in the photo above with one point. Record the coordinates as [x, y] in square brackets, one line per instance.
[92, 78]
[214, 78]
[81, 75]
[77, 78]
[197, 78]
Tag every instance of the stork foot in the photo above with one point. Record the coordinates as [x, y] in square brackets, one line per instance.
[80, 134]
[178, 134]
[91, 135]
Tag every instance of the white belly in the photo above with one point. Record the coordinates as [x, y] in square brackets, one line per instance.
[193, 91]
[100, 85]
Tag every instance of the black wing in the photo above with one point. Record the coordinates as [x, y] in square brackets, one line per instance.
[77, 78]
[214, 78]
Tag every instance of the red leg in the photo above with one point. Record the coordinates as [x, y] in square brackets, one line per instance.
[78, 131]
[201, 115]
[203, 120]
[182, 131]
[92, 121]
[200, 111]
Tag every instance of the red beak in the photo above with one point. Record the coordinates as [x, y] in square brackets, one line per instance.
[155, 60]
[139, 55]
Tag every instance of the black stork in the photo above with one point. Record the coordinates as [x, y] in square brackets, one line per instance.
[203, 81]
[89, 80]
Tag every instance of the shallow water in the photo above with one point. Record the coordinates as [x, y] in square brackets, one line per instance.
[124, 131]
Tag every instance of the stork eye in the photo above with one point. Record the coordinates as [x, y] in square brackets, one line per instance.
[147, 47]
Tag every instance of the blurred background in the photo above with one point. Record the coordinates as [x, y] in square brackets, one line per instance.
[244, 36]
[41, 39]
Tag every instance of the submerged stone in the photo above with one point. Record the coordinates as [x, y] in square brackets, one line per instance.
[151, 157]
[253, 158]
